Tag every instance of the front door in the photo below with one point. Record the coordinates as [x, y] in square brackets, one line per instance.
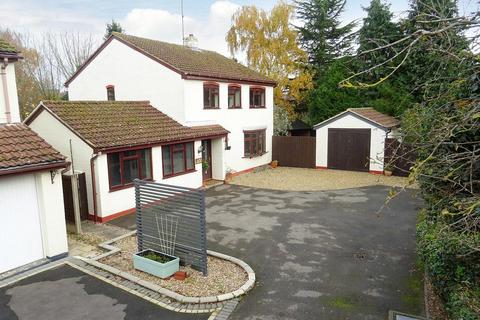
[206, 159]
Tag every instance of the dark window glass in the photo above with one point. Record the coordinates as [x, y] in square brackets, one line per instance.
[126, 166]
[234, 97]
[257, 98]
[178, 158]
[111, 93]
[254, 143]
[210, 96]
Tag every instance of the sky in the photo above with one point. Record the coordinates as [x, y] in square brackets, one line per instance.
[208, 20]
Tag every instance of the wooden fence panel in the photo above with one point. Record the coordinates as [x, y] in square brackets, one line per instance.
[400, 156]
[294, 151]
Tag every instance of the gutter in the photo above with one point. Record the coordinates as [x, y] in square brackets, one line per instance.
[3, 73]
[94, 187]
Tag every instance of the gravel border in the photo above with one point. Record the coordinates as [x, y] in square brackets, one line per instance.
[111, 249]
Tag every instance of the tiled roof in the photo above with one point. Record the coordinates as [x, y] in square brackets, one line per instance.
[6, 49]
[113, 124]
[377, 117]
[191, 63]
[21, 149]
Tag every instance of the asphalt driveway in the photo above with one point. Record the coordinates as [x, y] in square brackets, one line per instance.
[69, 294]
[319, 255]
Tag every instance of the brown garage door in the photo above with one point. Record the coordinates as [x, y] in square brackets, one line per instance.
[349, 149]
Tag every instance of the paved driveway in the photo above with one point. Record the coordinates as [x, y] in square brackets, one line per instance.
[69, 294]
[319, 255]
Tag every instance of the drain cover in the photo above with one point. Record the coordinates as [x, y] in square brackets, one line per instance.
[395, 315]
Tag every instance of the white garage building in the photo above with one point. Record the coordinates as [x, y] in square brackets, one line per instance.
[354, 140]
[31, 207]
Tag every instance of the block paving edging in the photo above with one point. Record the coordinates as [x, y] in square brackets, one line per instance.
[107, 245]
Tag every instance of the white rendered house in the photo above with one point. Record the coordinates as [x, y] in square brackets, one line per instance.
[31, 196]
[115, 142]
[191, 85]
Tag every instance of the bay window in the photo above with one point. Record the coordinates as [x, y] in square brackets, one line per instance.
[254, 143]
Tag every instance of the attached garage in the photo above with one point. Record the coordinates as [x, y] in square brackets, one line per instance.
[354, 140]
[31, 208]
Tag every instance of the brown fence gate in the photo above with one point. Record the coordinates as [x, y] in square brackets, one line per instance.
[400, 156]
[68, 197]
[296, 151]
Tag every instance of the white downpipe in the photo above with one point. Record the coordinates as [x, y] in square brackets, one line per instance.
[3, 72]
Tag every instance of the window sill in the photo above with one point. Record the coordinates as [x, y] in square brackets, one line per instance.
[208, 108]
[255, 156]
[234, 108]
[252, 107]
[126, 186]
[178, 174]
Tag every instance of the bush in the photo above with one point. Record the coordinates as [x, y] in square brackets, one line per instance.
[452, 266]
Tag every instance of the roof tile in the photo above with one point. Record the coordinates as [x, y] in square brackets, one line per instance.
[376, 116]
[20, 147]
[114, 124]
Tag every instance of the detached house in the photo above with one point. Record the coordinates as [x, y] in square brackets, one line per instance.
[190, 85]
[115, 142]
[31, 200]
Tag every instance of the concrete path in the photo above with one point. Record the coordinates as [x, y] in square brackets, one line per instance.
[69, 294]
[319, 255]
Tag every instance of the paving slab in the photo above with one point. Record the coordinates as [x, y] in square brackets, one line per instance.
[67, 293]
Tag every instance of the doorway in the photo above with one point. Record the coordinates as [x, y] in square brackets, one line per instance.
[206, 159]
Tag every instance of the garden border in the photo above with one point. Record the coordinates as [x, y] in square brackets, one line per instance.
[107, 245]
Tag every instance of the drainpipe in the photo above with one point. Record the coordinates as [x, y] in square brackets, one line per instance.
[94, 187]
[3, 72]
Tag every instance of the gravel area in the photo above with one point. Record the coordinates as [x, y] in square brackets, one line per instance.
[223, 276]
[433, 303]
[300, 179]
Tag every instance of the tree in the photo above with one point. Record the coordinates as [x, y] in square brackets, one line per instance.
[322, 34]
[272, 48]
[281, 121]
[112, 27]
[378, 29]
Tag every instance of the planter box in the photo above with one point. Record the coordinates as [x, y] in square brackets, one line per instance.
[158, 269]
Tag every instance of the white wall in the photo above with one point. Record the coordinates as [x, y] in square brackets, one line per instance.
[59, 136]
[112, 202]
[52, 213]
[218, 162]
[234, 120]
[135, 77]
[348, 121]
[12, 95]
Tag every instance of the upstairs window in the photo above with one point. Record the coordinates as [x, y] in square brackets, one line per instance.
[126, 166]
[211, 96]
[110, 93]
[257, 97]
[254, 143]
[234, 97]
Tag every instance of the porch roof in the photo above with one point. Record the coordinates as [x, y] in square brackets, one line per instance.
[108, 125]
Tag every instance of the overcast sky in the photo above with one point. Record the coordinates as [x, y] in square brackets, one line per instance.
[209, 20]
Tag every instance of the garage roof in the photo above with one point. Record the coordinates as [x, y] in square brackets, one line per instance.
[370, 114]
[22, 150]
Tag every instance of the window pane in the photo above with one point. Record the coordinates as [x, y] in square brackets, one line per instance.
[167, 163]
[130, 170]
[215, 98]
[231, 101]
[114, 169]
[247, 148]
[178, 162]
[238, 101]
[146, 164]
[130, 153]
[190, 159]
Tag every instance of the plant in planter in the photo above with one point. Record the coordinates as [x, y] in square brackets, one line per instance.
[388, 170]
[229, 175]
[161, 264]
[205, 166]
[274, 164]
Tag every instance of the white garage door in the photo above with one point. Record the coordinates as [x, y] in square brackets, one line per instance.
[20, 231]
